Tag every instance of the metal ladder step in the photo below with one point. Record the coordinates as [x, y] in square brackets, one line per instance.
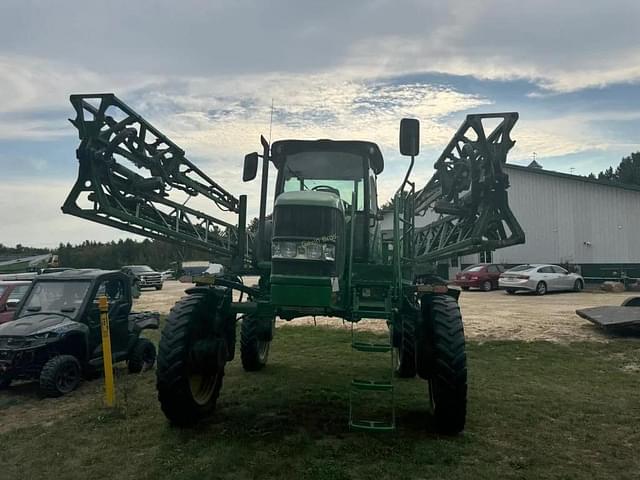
[371, 426]
[372, 385]
[371, 314]
[361, 390]
[371, 347]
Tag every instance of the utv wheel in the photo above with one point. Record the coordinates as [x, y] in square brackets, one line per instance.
[254, 348]
[404, 347]
[577, 286]
[142, 356]
[191, 359]
[60, 375]
[443, 361]
[486, 286]
[541, 288]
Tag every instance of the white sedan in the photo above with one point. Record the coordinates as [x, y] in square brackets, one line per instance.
[540, 278]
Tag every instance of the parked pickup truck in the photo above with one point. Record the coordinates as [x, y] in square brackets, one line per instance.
[147, 276]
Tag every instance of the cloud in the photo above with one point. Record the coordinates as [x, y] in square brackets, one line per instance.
[562, 46]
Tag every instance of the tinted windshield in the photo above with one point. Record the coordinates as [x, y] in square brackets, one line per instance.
[341, 172]
[140, 268]
[475, 268]
[521, 268]
[54, 297]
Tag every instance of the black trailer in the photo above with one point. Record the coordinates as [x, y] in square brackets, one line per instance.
[611, 317]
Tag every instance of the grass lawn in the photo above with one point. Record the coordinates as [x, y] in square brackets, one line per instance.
[536, 410]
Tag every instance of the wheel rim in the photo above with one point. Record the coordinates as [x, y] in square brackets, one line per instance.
[432, 400]
[542, 289]
[202, 387]
[263, 349]
[486, 286]
[67, 378]
[148, 357]
[578, 285]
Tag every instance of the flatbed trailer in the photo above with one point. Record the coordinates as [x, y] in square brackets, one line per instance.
[613, 317]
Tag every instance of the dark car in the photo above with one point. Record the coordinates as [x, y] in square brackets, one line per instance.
[482, 275]
[55, 336]
[11, 292]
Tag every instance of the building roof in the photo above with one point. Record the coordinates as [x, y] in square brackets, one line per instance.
[567, 176]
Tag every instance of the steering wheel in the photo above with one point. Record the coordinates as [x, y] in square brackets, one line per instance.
[326, 188]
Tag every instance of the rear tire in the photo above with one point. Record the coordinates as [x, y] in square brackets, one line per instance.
[142, 356]
[191, 360]
[487, 286]
[60, 375]
[254, 350]
[443, 362]
[541, 288]
[578, 286]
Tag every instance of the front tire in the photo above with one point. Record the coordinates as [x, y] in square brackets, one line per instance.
[158, 287]
[60, 375]
[5, 383]
[404, 348]
[443, 362]
[487, 286]
[191, 359]
[254, 347]
[510, 291]
[541, 288]
[142, 356]
[578, 286]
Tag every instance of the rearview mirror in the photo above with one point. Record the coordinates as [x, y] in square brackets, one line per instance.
[250, 167]
[409, 136]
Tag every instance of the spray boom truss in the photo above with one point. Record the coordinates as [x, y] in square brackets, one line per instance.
[109, 192]
[469, 192]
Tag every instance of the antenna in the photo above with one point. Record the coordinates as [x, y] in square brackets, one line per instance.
[271, 121]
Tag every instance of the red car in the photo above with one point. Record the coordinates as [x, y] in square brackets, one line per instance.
[482, 275]
[11, 292]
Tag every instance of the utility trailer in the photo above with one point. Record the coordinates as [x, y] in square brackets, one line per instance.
[612, 318]
[320, 253]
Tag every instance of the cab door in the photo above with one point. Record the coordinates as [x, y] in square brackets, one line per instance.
[118, 308]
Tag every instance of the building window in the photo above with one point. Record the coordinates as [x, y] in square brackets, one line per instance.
[486, 257]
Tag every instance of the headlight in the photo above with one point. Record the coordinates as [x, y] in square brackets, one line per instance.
[38, 337]
[314, 251]
[288, 249]
[329, 251]
[304, 250]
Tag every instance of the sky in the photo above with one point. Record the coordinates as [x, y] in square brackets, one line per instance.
[206, 74]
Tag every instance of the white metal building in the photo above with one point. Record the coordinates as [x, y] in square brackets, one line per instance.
[570, 220]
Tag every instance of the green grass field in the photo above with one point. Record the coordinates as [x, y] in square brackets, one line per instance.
[536, 410]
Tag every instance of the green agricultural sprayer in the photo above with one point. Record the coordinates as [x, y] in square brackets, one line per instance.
[322, 252]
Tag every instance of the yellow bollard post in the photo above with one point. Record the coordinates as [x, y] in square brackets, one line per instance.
[110, 396]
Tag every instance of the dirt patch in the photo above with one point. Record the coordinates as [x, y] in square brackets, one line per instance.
[487, 315]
